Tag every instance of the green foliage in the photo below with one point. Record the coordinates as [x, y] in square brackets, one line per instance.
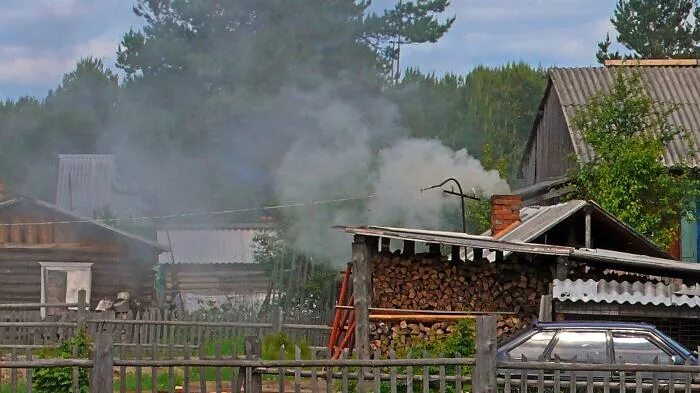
[628, 133]
[655, 29]
[60, 379]
[305, 284]
[478, 215]
[460, 342]
[271, 347]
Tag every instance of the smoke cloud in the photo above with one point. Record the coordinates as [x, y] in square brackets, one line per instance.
[346, 150]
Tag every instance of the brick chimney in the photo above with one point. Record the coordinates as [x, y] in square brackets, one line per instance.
[505, 212]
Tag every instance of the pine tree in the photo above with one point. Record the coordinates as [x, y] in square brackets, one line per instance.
[409, 22]
[655, 29]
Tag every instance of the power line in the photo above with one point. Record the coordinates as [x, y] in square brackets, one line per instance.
[212, 213]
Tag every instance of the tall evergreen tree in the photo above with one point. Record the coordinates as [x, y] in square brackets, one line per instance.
[408, 22]
[655, 29]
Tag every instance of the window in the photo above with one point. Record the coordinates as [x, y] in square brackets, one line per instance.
[585, 346]
[533, 347]
[638, 349]
[61, 281]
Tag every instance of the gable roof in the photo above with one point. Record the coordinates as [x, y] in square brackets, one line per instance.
[537, 220]
[69, 217]
[677, 86]
[89, 183]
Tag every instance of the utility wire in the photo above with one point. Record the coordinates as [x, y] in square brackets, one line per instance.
[212, 213]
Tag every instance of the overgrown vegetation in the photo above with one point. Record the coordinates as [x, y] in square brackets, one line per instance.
[60, 379]
[628, 133]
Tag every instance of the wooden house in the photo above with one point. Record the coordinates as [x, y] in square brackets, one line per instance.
[48, 254]
[554, 144]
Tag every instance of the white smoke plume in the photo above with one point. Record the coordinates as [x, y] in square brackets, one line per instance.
[348, 151]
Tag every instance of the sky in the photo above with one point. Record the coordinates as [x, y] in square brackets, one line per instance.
[40, 40]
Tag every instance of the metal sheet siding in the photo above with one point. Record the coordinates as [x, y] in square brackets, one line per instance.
[672, 86]
[88, 184]
[208, 245]
[603, 291]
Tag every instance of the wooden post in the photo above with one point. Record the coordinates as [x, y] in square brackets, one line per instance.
[361, 259]
[455, 254]
[409, 248]
[81, 309]
[588, 229]
[103, 364]
[484, 376]
[277, 319]
[386, 244]
[252, 351]
[545, 308]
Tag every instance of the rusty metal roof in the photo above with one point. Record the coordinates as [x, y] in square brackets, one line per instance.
[644, 293]
[675, 86]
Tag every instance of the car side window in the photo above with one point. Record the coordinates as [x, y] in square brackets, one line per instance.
[638, 349]
[533, 347]
[585, 346]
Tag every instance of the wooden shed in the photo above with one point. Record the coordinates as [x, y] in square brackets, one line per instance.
[48, 254]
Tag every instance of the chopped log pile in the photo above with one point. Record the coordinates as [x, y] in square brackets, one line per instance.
[431, 282]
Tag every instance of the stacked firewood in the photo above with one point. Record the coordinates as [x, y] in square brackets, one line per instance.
[430, 282]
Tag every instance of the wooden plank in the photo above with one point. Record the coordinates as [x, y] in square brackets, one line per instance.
[202, 370]
[280, 374]
[426, 375]
[13, 372]
[377, 374]
[392, 378]
[409, 376]
[154, 370]
[122, 371]
[314, 376]
[484, 377]
[297, 370]
[103, 365]
[217, 370]
[29, 372]
[345, 380]
[137, 371]
[187, 351]
[361, 260]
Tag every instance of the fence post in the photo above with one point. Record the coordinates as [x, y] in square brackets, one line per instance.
[103, 364]
[485, 369]
[253, 351]
[277, 319]
[81, 309]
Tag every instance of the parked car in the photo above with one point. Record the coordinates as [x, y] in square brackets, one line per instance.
[598, 343]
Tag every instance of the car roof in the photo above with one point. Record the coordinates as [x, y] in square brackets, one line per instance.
[594, 325]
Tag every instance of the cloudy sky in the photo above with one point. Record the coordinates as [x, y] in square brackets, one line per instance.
[40, 40]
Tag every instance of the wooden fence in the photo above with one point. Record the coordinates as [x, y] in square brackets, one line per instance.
[227, 368]
[21, 326]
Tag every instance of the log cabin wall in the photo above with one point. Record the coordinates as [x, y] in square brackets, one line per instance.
[431, 282]
[118, 263]
[215, 278]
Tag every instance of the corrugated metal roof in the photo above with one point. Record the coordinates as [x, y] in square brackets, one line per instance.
[603, 291]
[201, 245]
[88, 184]
[677, 86]
[611, 259]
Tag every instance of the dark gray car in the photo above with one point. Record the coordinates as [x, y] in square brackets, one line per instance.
[598, 343]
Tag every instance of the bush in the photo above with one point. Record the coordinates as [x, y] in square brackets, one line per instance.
[60, 379]
[271, 347]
